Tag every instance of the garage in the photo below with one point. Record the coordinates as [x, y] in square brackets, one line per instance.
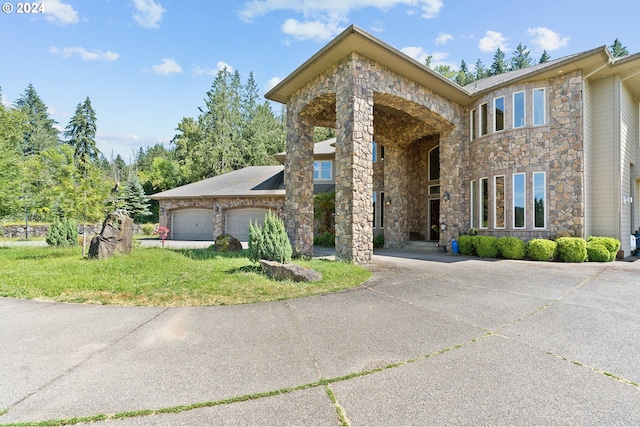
[192, 224]
[237, 222]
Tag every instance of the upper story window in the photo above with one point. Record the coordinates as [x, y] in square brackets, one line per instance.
[518, 109]
[434, 164]
[483, 119]
[499, 113]
[472, 133]
[374, 154]
[322, 170]
[539, 107]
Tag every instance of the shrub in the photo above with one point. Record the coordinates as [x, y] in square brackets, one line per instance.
[541, 249]
[465, 245]
[571, 249]
[511, 247]
[269, 242]
[378, 241]
[147, 229]
[612, 245]
[486, 246]
[597, 252]
[325, 239]
[63, 233]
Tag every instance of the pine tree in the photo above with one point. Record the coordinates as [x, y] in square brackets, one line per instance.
[480, 70]
[133, 199]
[618, 50]
[521, 58]
[41, 132]
[81, 134]
[463, 76]
[499, 65]
[544, 58]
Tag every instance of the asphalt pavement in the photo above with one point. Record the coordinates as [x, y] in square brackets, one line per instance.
[431, 339]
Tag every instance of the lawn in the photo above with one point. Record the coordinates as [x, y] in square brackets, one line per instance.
[158, 277]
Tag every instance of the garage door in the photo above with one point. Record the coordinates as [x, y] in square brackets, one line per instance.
[238, 222]
[192, 224]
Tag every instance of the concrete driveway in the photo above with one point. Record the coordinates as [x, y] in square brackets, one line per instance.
[442, 339]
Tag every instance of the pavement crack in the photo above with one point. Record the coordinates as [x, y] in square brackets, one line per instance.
[305, 342]
[597, 370]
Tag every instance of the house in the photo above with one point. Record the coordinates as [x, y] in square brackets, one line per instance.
[539, 152]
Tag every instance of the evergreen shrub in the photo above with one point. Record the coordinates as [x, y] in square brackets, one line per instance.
[63, 233]
[378, 241]
[597, 252]
[541, 249]
[485, 246]
[612, 245]
[326, 239]
[511, 247]
[147, 229]
[466, 246]
[269, 242]
[571, 249]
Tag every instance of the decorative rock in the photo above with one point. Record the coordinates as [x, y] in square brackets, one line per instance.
[227, 243]
[115, 238]
[293, 272]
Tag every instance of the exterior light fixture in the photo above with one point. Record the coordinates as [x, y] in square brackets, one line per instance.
[446, 196]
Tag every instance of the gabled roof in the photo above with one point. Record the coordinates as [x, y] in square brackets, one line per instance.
[320, 148]
[252, 181]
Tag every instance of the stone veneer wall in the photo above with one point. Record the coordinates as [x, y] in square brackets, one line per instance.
[555, 148]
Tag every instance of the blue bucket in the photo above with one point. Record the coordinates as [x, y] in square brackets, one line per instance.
[454, 247]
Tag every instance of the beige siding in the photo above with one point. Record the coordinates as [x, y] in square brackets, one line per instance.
[588, 176]
[605, 178]
[628, 148]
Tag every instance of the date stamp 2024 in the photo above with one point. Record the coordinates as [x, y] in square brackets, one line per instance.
[23, 8]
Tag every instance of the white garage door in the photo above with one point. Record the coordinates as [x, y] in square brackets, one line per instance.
[192, 224]
[238, 222]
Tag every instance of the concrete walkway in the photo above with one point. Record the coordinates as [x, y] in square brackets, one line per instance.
[442, 339]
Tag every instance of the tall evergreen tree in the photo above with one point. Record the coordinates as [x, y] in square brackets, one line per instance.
[133, 199]
[12, 128]
[40, 132]
[544, 58]
[521, 58]
[445, 70]
[480, 70]
[464, 76]
[618, 50]
[81, 133]
[499, 64]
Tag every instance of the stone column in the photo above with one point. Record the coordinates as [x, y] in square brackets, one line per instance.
[395, 195]
[354, 171]
[298, 181]
[453, 161]
[218, 219]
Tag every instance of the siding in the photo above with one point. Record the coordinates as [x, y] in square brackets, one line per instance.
[605, 192]
[628, 147]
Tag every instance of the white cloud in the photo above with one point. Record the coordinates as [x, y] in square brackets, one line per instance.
[547, 39]
[492, 41]
[59, 13]
[168, 66]
[96, 55]
[273, 82]
[443, 38]
[221, 65]
[148, 13]
[323, 19]
[377, 27]
[420, 55]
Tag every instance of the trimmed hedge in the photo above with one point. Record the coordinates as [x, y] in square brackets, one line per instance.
[511, 247]
[466, 246]
[327, 240]
[486, 246]
[612, 245]
[541, 249]
[597, 252]
[571, 249]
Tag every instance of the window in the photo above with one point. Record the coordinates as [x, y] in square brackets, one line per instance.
[373, 197]
[472, 134]
[539, 107]
[498, 197]
[539, 200]
[518, 110]
[434, 189]
[499, 113]
[322, 170]
[434, 164]
[474, 200]
[483, 119]
[381, 152]
[374, 149]
[484, 200]
[381, 209]
[519, 191]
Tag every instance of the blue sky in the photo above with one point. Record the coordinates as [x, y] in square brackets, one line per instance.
[146, 64]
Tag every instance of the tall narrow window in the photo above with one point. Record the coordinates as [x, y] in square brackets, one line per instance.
[484, 202]
[434, 164]
[474, 201]
[539, 200]
[519, 197]
[374, 151]
[483, 119]
[498, 206]
[381, 210]
[373, 198]
[518, 110]
[499, 113]
[539, 107]
[472, 133]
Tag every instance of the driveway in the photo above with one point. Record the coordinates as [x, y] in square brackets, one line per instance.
[442, 339]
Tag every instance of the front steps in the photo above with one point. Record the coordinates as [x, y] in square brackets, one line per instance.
[421, 245]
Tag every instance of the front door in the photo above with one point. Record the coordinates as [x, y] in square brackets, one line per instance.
[434, 218]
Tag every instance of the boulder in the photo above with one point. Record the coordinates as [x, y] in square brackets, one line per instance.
[227, 243]
[297, 273]
[116, 236]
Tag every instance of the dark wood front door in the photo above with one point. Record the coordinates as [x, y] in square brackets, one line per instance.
[434, 218]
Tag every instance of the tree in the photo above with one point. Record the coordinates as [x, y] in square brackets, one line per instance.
[40, 132]
[480, 70]
[499, 65]
[521, 58]
[445, 70]
[322, 133]
[544, 58]
[133, 199]
[12, 128]
[618, 50]
[463, 77]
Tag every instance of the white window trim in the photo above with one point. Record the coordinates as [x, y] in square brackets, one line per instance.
[495, 202]
[481, 207]
[319, 178]
[495, 115]
[513, 206]
[544, 198]
[472, 125]
[474, 197]
[544, 106]
[485, 121]
[524, 109]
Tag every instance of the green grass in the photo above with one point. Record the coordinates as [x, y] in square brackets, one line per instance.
[158, 277]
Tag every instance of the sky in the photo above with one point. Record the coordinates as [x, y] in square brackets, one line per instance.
[146, 64]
